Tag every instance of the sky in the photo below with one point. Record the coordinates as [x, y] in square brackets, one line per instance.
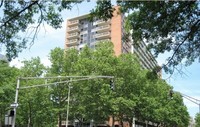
[49, 38]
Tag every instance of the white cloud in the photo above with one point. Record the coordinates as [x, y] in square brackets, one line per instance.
[16, 63]
[162, 58]
[46, 62]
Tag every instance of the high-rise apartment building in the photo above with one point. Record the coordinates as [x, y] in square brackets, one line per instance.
[81, 32]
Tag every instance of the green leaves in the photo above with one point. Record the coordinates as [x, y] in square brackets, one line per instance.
[197, 120]
[166, 26]
[32, 68]
[138, 93]
[98, 11]
[8, 77]
[17, 17]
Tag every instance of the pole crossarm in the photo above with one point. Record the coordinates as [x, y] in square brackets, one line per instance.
[193, 100]
[80, 78]
[68, 81]
[59, 77]
[190, 100]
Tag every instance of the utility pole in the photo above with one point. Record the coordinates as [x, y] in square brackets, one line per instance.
[81, 78]
[15, 105]
[68, 99]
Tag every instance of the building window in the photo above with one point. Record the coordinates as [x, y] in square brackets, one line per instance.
[92, 46]
[93, 40]
[84, 29]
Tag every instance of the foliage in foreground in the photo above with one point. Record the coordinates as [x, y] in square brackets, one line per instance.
[167, 26]
[8, 77]
[197, 120]
[20, 21]
[171, 26]
[135, 93]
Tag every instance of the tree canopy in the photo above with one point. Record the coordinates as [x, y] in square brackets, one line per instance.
[166, 26]
[197, 120]
[133, 94]
[8, 77]
[20, 21]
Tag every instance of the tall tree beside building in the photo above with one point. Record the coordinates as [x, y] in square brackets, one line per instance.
[134, 94]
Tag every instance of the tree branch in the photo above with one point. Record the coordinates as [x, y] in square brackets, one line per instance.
[176, 50]
[15, 16]
[37, 27]
[1, 3]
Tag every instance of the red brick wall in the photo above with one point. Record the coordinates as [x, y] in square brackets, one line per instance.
[116, 32]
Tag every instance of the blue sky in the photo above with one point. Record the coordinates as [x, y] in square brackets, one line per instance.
[50, 38]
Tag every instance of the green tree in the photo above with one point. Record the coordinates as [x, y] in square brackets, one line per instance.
[167, 26]
[197, 120]
[35, 106]
[32, 68]
[95, 94]
[136, 92]
[56, 58]
[62, 65]
[8, 76]
[24, 17]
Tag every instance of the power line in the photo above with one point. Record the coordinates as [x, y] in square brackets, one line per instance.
[191, 99]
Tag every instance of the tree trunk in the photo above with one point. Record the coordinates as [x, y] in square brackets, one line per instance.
[30, 115]
[130, 122]
[113, 121]
[1, 119]
[59, 120]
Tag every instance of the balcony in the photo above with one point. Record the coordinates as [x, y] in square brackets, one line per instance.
[72, 42]
[102, 35]
[103, 28]
[73, 29]
[101, 22]
[103, 40]
[73, 22]
[73, 35]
